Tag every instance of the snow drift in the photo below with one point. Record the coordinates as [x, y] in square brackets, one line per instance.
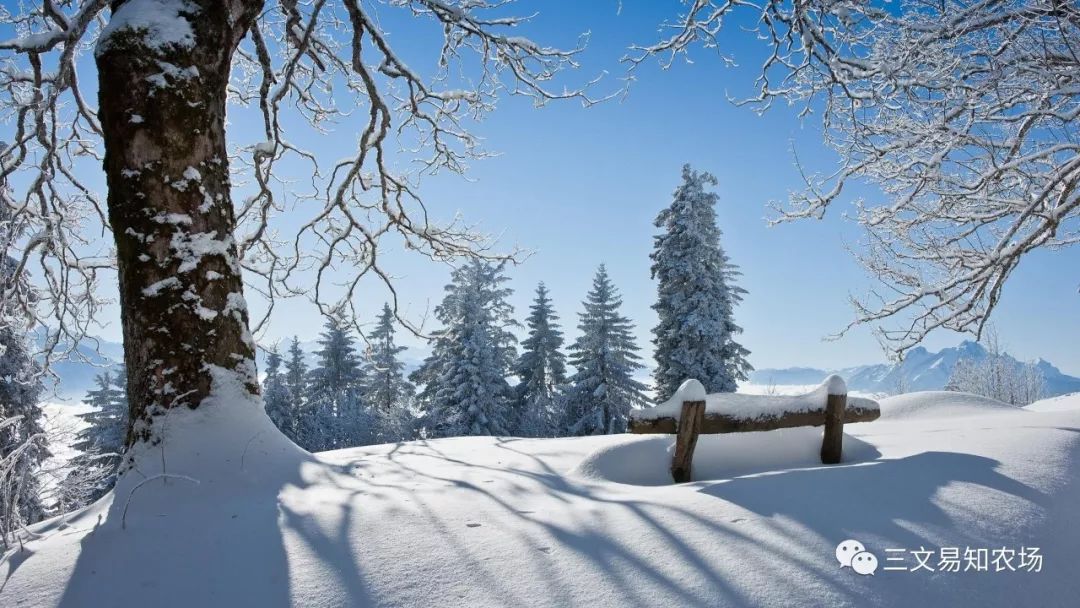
[927, 404]
[646, 461]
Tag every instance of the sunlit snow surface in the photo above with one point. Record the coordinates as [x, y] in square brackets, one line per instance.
[525, 522]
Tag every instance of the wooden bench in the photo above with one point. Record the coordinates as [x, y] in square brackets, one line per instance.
[686, 415]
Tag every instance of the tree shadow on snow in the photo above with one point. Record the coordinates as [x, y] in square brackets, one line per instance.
[227, 547]
[896, 504]
[886, 499]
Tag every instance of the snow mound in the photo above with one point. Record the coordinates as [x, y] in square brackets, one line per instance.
[938, 404]
[751, 407]
[645, 461]
[1056, 404]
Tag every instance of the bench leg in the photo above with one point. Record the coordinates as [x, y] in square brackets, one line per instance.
[690, 423]
[832, 446]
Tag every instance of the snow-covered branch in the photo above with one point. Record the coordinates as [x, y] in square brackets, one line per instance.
[963, 113]
[304, 63]
[299, 55]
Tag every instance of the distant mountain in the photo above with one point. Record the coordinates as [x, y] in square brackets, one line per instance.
[74, 376]
[921, 370]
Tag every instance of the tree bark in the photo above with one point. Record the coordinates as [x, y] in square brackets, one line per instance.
[162, 111]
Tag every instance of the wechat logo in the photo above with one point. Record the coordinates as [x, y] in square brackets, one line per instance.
[853, 554]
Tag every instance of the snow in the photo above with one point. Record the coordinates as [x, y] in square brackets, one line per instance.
[926, 404]
[1056, 404]
[691, 390]
[646, 461]
[161, 21]
[486, 521]
[154, 289]
[750, 407]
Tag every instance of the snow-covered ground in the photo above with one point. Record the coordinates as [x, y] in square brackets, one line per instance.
[517, 522]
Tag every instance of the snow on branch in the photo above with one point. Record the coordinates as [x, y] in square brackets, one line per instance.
[327, 66]
[963, 113]
[299, 55]
[51, 261]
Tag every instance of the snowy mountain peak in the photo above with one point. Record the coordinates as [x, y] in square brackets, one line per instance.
[921, 370]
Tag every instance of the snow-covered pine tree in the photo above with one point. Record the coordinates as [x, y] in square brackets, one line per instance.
[23, 445]
[465, 388]
[278, 399]
[603, 390]
[101, 443]
[387, 392]
[696, 295]
[541, 370]
[335, 386]
[296, 382]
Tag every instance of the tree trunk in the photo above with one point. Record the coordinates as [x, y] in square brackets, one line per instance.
[162, 100]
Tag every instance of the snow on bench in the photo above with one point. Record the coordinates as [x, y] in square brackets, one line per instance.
[690, 412]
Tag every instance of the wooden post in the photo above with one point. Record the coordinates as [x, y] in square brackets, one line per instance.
[690, 423]
[832, 446]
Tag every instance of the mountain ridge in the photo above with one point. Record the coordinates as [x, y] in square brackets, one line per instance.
[921, 370]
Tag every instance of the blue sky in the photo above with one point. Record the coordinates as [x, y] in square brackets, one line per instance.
[581, 186]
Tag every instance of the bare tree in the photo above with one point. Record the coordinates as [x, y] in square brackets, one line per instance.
[998, 376]
[963, 112]
[167, 70]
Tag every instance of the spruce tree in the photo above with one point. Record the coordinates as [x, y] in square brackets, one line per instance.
[603, 390]
[465, 388]
[334, 387]
[387, 392]
[101, 444]
[277, 397]
[541, 370]
[696, 295]
[107, 422]
[295, 379]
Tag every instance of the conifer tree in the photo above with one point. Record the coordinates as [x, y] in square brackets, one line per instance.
[696, 295]
[101, 443]
[465, 388]
[335, 386]
[603, 390]
[387, 392]
[295, 380]
[277, 397]
[541, 370]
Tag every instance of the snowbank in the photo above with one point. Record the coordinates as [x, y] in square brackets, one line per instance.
[751, 407]
[931, 404]
[1056, 404]
[646, 460]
